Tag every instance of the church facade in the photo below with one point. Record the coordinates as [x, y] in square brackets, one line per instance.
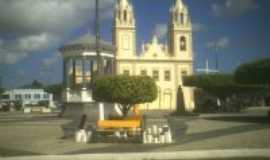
[165, 63]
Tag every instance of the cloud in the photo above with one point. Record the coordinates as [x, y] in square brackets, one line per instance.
[234, 7]
[32, 26]
[221, 43]
[49, 62]
[161, 30]
[17, 49]
[198, 27]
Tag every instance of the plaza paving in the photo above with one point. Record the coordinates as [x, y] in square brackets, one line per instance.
[41, 135]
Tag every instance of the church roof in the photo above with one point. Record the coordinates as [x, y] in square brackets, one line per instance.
[87, 42]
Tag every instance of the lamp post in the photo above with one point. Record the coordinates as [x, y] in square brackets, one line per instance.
[97, 29]
[100, 67]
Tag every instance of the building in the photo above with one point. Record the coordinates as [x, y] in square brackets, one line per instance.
[27, 96]
[166, 63]
[80, 66]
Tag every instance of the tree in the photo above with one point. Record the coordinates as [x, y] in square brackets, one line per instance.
[180, 101]
[37, 84]
[2, 90]
[55, 89]
[254, 73]
[125, 90]
[220, 85]
[34, 85]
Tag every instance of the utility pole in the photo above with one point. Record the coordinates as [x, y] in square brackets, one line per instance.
[216, 50]
[97, 29]
[100, 67]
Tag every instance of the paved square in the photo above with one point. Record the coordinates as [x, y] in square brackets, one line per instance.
[41, 134]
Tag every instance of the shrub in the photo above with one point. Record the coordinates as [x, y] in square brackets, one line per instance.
[233, 96]
[43, 103]
[18, 105]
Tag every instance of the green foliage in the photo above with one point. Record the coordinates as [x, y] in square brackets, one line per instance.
[257, 72]
[125, 90]
[43, 103]
[220, 85]
[180, 101]
[2, 90]
[209, 80]
[34, 85]
[18, 105]
[55, 89]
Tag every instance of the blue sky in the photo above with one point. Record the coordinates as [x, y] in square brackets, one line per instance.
[30, 37]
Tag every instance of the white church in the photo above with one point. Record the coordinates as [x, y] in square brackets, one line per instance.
[166, 63]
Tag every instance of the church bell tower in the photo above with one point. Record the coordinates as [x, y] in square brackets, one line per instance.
[124, 32]
[180, 32]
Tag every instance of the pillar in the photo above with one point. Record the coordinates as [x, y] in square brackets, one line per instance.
[83, 73]
[91, 70]
[74, 72]
[65, 72]
[66, 78]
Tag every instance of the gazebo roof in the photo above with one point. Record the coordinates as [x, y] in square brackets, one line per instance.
[87, 42]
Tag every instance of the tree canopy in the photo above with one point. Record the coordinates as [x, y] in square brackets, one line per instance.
[256, 72]
[1, 91]
[34, 85]
[125, 90]
[220, 85]
[55, 89]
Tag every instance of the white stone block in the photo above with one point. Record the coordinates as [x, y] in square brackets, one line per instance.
[155, 129]
[145, 140]
[27, 110]
[46, 110]
[81, 136]
[168, 136]
[149, 138]
[162, 139]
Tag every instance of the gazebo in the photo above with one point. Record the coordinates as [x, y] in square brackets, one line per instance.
[79, 68]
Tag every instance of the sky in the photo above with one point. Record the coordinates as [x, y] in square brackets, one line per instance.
[31, 31]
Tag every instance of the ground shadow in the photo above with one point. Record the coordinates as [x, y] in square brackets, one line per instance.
[221, 132]
[11, 152]
[247, 119]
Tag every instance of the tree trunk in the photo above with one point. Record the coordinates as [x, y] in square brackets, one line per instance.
[125, 109]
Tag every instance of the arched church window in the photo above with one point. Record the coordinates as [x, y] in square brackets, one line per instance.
[125, 15]
[182, 18]
[119, 14]
[183, 43]
[176, 17]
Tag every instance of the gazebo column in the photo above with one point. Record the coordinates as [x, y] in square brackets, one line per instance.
[91, 70]
[74, 72]
[65, 72]
[84, 87]
[84, 91]
[66, 80]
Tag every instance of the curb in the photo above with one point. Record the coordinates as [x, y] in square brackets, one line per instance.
[181, 155]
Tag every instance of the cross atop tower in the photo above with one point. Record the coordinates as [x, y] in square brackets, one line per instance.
[123, 3]
[179, 4]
